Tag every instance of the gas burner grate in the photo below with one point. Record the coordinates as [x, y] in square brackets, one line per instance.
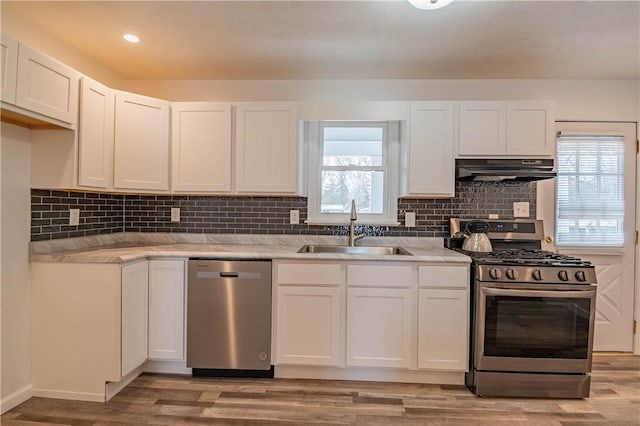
[527, 257]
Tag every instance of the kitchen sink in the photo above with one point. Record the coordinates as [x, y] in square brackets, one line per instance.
[371, 250]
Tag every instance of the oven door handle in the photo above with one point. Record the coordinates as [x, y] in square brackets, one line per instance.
[572, 294]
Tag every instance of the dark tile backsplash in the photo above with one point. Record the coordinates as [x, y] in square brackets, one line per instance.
[107, 213]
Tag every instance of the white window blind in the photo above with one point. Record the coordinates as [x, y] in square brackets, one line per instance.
[590, 191]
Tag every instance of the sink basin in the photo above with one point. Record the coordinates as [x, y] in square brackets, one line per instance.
[373, 251]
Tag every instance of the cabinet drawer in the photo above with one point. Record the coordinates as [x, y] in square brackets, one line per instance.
[446, 276]
[310, 273]
[379, 275]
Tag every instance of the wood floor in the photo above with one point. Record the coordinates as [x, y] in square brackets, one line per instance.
[182, 400]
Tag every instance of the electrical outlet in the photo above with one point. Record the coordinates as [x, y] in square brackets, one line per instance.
[410, 219]
[175, 214]
[294, 217]
[74, 217]
[494, 216]
[521, 209]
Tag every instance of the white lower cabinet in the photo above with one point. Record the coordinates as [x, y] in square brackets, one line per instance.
[442, 329]
[380, 327]
[166, 309]
[134, 315]
[310, 320]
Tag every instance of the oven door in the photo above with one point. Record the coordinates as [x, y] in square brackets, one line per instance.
[534, 328]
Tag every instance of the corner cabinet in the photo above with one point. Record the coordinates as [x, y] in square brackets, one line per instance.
[37, 91]
[9, 70]
[201, 147]
[266, 150]
[95, 135]
[428, 155]
[498, 128]
[141, 160]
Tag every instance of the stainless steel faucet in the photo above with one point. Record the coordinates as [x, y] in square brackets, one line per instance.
[352, 226]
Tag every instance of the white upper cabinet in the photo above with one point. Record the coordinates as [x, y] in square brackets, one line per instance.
[430, 170]
[498, 128]
[530, 128]
[201, 147]
[8, 72]
[483, 128]
[266, 151]
[141, 143]
[46, 86]
[95, 152]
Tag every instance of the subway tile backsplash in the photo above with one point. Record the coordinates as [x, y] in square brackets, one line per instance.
[107, 213]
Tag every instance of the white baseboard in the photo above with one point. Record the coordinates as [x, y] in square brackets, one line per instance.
[15, 398]
[112, 388]
[78, 396]
[370, 374]
[170, 367]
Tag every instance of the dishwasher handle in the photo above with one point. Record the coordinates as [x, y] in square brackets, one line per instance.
[208, 275]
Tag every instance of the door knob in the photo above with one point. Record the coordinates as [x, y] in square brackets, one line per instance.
[548, 239]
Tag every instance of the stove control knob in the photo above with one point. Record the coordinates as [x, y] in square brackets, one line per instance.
[580, 276]
[512, 274]
[563, 275]
[536, 275]
[495, 273]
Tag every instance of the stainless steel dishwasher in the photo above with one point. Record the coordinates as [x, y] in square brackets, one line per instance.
[229, 318]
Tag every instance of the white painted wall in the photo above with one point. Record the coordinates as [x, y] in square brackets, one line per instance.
[15, 290]
[591, 100]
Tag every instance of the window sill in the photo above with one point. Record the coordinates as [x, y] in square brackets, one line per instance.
[601, 251]
[358, 223]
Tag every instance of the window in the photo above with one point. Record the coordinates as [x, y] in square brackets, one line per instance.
[352, 161]
[590, 191]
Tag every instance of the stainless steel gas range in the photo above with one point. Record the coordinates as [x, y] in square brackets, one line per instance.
[532, 315]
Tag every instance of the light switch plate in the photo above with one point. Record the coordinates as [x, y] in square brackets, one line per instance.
[74, 217]
[410, 219]
[175, 214]
[521, 209]
[294, 217]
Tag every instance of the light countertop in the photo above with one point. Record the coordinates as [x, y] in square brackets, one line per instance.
[127, 247]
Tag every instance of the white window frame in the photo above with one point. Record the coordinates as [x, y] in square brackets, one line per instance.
[559, 242]
[391, 151]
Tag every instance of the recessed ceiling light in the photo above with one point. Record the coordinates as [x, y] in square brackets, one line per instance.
[131, 38]
[429, 4]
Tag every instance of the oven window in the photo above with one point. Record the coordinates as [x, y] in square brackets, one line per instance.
[536, 327]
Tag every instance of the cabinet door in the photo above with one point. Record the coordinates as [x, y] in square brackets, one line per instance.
[380, 327]
[134, 315]
[166, 309]
[308, 326]
[430, 162]
[46, 86]
[95, 156]
[443, 329]
[201, 146]
[8, 72]
[266, 148]
[530, 128]
[482, 128]
[141, 143]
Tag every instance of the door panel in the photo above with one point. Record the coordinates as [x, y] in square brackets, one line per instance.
[615, 267]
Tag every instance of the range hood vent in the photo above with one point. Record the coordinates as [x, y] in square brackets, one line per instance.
[504, 169]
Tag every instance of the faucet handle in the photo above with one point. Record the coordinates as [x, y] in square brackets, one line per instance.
[354, 216]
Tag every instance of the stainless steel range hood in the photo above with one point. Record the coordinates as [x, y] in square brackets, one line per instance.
[504, 169]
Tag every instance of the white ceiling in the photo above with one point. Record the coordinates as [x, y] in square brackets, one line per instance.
[231, 40]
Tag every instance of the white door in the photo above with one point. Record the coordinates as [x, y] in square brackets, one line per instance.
[166, 309]
[134, 315]
[380, 327]
[600, 229]
[309, 325]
